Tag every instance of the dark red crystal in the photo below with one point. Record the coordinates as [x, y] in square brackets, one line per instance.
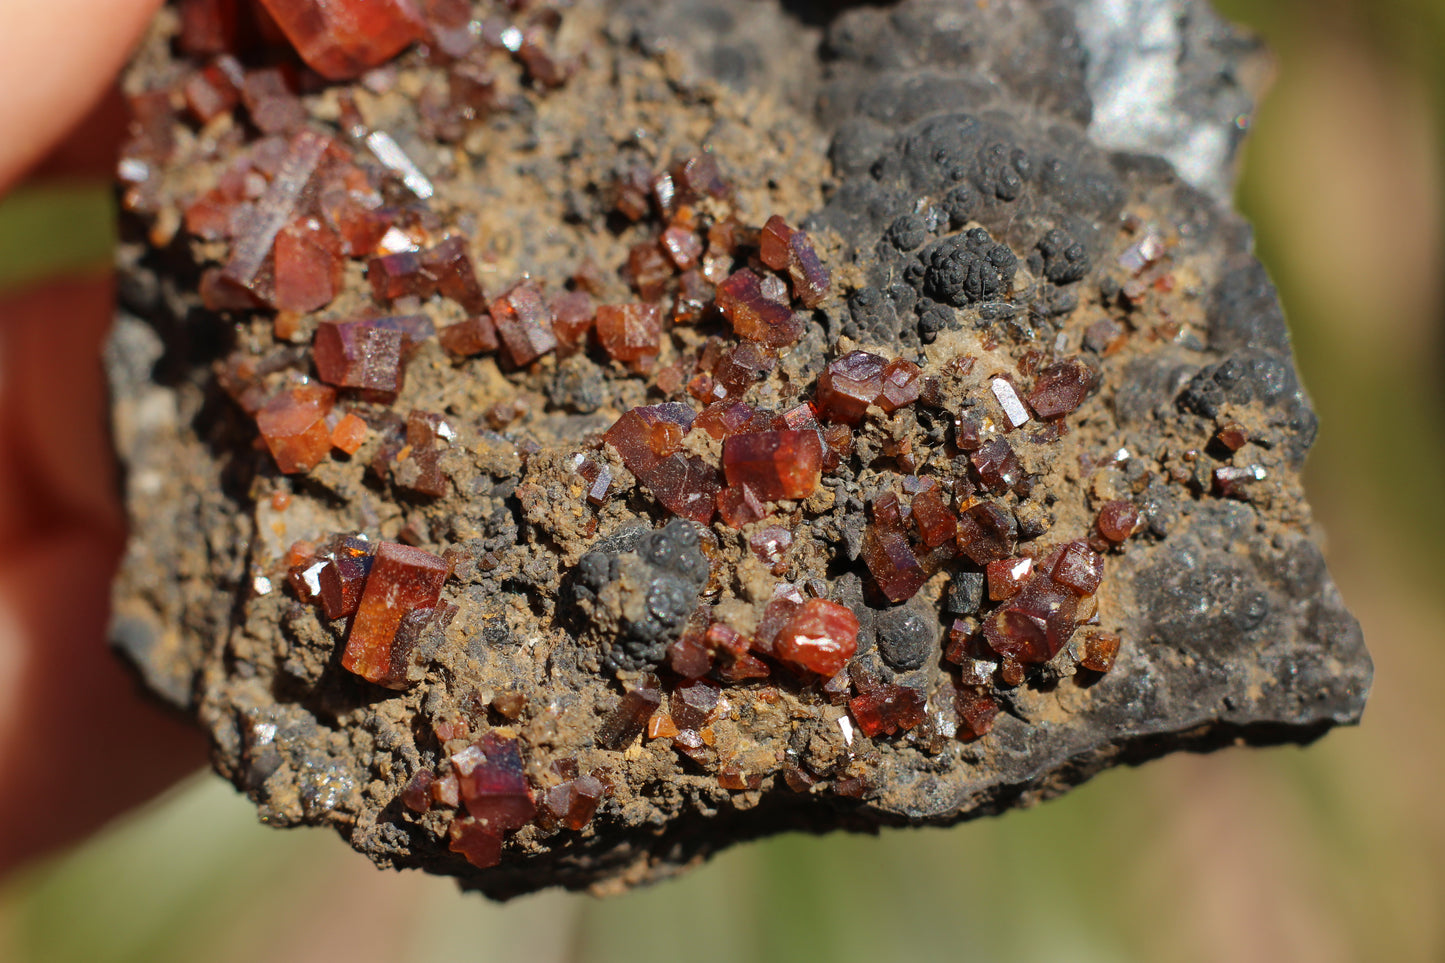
[1118, 520]
[753, 315]
[1061, 387]
[987, 533]
[849, 385]
[892, 563]
[341, 39]
[402, 579]
[524, 324]
[359, 354]
[493, 783]
[887, 709]
[630, 717]
[775, 464]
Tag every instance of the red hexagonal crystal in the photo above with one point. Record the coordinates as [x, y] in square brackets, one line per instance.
[493, 783]
[629, 332]
[1118, 520]
[811, 281]
[849, 385]
[480, 845]
[902, 383]
[402, 579]
[987, 533]
[775, 464]
[886, 709]
[1035, 624]
[248, 274]
[343, 576]
[976, 713]
[293, 425]
[937, 525]
[473, 336]
[753, 315]
[1061, 387]
[1099, 651]
[359, 354]
[1079, 568]
[821, 637]
[341, 39]
[685, 484]
[309, 265]
[524, 323]
[892, 563]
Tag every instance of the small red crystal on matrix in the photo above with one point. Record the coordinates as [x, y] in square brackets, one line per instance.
[493, 783]
[349, 434]
[293, 425]
[341, 39]
[1118, 520]
[887, 709]
[481, 846]
[358, 354]
[248, 274]
[753, 315]
[465, 338]
[775, 464]
[686, 485]
[309, 266]
[849, 385]
[1099, 651]
[1061, 387]
[402, 579]
[891, 562]
[821, 637]
[630, 717]
[524, 323]
[343, 576]
[630, 332]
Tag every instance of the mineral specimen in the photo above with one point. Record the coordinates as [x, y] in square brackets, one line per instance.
[774, 489]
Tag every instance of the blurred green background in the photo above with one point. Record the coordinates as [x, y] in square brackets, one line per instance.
[1336, 852]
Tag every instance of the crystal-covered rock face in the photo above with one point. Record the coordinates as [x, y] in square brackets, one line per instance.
[592, 507]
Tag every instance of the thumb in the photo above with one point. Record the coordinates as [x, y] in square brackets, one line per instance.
[56, 59]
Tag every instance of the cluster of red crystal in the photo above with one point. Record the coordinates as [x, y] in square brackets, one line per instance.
[649, 441]
[1042, 609]
[906, 544]
[858, 379]
[886, 709]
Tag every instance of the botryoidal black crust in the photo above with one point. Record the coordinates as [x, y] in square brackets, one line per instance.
[635, 603]
[962, 208]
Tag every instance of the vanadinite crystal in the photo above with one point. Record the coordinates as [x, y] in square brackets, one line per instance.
[774, 464]
[402, 579]
[685, 484]
[359, 354]
[849, 385]
[293, 425]
[820, 637]
[630, 332]
[524, 323]
[343, 38]
[493, 784]
[755, 316]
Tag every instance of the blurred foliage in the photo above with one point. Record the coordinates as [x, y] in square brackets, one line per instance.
[1336, 852]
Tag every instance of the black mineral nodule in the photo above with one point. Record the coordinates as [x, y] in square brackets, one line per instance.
[969, 267]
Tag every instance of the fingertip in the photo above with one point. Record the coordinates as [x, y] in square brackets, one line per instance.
[56, 60]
